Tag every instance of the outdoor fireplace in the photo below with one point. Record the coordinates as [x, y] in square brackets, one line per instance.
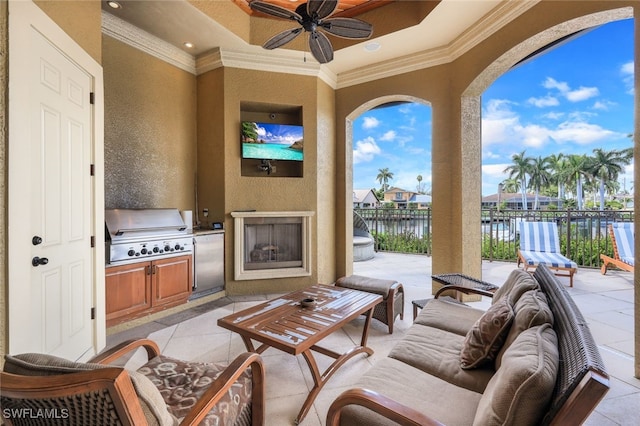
[272, 244]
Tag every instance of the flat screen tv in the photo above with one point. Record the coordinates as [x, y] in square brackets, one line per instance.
[267, 141]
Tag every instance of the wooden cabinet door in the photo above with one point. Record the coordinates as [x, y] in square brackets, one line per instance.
[128, 290]
[172, 280]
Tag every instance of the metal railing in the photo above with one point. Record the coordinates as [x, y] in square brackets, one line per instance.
[583, 233]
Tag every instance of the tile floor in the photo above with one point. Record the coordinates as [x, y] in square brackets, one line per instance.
[605, 301]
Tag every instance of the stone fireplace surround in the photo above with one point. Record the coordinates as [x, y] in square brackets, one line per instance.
[262, 249]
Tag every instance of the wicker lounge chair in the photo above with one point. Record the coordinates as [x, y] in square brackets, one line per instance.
[622, 238]
[163, 391]
[540, 244]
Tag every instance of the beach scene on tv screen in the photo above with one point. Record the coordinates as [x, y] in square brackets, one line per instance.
[268, 141]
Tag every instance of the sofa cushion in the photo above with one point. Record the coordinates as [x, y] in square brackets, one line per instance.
[516, 284]
[437, 352]
[450, 316]
[32, 364]
[411, 387]
[485, 338]
[182, 384]
[531, 309]
[521, 389]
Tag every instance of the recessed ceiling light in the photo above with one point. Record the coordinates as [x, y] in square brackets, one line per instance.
[188, 45]
[114, 4]
[372, 46]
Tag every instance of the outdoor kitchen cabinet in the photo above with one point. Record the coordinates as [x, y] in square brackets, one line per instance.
[142, 288]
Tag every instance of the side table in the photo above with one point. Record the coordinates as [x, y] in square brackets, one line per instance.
[460, 280]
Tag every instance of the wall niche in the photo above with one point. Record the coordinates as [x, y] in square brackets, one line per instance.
[279, 129]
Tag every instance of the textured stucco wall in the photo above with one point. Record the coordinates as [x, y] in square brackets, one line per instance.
[150, 130]
[4, 82]
[81, 20]
[221, 149]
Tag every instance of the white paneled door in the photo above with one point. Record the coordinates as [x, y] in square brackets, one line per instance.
[51, 196]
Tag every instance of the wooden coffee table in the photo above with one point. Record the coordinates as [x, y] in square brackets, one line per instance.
[284, 324]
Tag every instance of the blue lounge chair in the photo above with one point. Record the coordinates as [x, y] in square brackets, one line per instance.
[540, 243]
[622, 238]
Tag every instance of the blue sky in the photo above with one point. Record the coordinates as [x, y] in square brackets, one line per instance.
[576, 97]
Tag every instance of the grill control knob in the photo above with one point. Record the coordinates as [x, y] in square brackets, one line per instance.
[177, 247]
[131, 252]
[167, 248]
[143, 251]
[156, 249]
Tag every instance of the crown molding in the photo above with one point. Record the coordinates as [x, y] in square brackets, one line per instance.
[281, 61]
[289, 62]
[135, 37]
[479, 32]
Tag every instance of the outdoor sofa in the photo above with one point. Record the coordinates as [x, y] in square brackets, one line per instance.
[530, 359]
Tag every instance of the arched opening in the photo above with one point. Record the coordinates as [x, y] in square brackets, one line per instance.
[349, 150]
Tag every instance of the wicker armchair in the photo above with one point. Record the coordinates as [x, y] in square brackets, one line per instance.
[43, 389]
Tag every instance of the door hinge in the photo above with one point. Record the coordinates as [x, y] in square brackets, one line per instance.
[92, 170]
[93, 241]
[93, 313]
[92, 98]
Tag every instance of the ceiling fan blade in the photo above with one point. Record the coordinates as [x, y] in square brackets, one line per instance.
[273, 10]
[320, 46]
[321, 8]
[282, 38]
[348, 28]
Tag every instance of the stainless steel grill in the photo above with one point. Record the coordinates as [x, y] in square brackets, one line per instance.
[138, 234]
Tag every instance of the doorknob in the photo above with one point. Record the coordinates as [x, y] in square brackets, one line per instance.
[36, 240]
[37, 261]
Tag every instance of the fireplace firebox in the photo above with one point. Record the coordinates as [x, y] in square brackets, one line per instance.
[272, 244]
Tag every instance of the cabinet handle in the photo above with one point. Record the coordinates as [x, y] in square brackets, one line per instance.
[155, 269]
[147, 270]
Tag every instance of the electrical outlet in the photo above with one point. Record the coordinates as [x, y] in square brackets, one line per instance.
[205, 212]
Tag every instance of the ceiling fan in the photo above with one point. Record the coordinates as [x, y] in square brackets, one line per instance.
[312, 17]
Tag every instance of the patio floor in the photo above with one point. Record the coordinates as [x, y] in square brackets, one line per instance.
[605, 301]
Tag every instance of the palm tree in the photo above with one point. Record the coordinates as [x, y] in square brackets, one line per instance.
[384, 176]
[510, 185]
[606, 166]
[559, 176]
[538, 177]
[419, 188]
[577, 169]
[519, 170]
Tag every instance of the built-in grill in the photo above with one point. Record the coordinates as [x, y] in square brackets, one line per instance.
[138, 234]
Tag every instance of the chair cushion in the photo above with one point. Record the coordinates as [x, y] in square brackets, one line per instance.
[519, 392]
[555, 260]
[33, 364]
[370, 285]
[485, 338]
[182, 383]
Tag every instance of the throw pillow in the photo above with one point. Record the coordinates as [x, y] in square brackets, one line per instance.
[484, 340]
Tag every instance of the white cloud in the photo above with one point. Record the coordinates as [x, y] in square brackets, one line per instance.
[501, 125]
[554, 115]
[551, 83]
[365, 150]
[603, 105]
[627, 76]
[582, 133]
[580, 94]
[370, 122]
[546, 101]
[495, 170]
[388, 136]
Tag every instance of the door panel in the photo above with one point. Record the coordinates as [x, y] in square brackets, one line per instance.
[61, 200]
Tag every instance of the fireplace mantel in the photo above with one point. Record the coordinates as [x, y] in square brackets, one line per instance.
[256, 230]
